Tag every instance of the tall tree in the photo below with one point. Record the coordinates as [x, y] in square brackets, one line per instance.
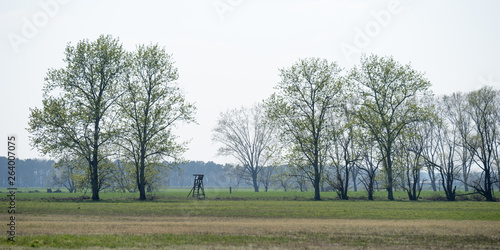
[456, 113]
[424, 140]
[447, 138]
[151, 106]
[247, 137]
[345, 151]
[483, 108]
[388, 91]
[431, 130]
[77, 115]
[307, 93]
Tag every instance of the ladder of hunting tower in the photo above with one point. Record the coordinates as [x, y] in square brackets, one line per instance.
[198, 185]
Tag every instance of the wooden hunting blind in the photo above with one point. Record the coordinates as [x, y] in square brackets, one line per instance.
[197, 187]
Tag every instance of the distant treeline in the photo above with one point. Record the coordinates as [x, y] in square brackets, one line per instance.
[40, 172]
[215, 175]
[29, 173]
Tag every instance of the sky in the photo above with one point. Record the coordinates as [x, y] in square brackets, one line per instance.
[229, 52]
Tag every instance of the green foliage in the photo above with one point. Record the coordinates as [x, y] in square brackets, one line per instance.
[308, 92]
[151, 106]
[101, 86]
[346, 150]
[76, 116]
[72, 174]
[388, 95]
[483, 109]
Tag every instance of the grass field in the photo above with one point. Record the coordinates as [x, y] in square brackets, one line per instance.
[245, 219]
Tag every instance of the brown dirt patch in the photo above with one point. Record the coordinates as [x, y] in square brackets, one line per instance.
[84, 225]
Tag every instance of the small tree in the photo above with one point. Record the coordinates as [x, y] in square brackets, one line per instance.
[71, 173]
[369, 166]
[409, 161]
[124, 177]
[266, 177]
[283, 178]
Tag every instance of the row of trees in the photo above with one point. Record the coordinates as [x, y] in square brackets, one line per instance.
[108, 115]
[107, 104]
[377, 121]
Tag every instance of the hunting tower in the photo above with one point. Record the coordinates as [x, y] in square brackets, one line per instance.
[197, 187]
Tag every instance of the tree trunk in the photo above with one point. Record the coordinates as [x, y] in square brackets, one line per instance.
[488, 194]
[450, 193]
[412, 188]
[432, 178]
[466, 187]
[317, 196]
[345, 187]
[498, 177]
[142, 181]
[344, 195]
[142, 192]
[94, 178]
[317, 179]
[390, 195]
[255, 182]
[355, 178]
[370, 189]
[94, 181]
[465, 174]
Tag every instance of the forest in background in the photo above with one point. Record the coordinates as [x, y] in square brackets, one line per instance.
[41, 173]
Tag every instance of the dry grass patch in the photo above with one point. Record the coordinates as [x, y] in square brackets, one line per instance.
[85, 225]
[217, 232]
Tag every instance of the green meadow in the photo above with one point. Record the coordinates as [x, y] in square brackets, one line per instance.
[245, 219]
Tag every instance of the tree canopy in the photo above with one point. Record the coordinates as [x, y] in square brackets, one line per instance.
[308, 91]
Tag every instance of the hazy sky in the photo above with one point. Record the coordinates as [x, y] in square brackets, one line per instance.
[228, 52]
